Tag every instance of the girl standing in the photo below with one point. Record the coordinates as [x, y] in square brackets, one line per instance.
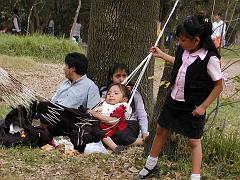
[196, 83]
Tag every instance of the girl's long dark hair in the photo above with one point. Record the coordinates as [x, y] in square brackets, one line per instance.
[114, 68]
[198, 26]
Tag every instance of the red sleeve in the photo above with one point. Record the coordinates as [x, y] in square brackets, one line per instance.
[118, 112]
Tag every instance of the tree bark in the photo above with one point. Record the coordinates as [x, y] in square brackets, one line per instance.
[29, 18]
[123, 32]
[75, 19]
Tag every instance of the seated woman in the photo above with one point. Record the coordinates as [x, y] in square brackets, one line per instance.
[138, 119]
[113, 114]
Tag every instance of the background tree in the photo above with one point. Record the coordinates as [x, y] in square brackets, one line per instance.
[122, 31]
[75, 19]
[63, 12]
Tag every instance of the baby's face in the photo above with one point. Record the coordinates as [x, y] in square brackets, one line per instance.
[114, 95]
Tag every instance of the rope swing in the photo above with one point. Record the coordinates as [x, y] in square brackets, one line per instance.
[146, 61]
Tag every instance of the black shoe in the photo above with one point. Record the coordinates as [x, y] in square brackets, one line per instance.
[151, 173]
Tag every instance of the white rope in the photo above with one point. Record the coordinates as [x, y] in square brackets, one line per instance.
[148, 58]
[130, 76]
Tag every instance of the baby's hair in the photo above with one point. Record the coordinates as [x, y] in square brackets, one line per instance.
[124, 89]
[196, 26]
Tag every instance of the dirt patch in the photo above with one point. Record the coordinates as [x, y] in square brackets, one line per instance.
[44, 79]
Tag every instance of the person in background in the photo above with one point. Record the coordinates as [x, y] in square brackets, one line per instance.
[50, 26]
[76, 32]
[16, 22]
[219, 31]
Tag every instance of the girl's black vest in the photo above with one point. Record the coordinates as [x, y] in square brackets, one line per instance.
[198, 84]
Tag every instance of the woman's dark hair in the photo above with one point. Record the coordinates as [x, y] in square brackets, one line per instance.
[77, 61]
[124, 89]
[113, 69]
[15, 11]
[197, 26]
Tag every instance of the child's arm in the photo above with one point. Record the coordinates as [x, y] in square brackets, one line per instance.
[201, 109]
[158, 53]
[105, 119]
[109, 142]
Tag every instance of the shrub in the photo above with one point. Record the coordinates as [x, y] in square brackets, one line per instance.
[39, 47]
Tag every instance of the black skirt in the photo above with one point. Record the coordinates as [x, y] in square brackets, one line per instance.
[177, 117]
[128, 136]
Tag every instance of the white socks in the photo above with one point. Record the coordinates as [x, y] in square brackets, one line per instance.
[195, 177]
[150, 164]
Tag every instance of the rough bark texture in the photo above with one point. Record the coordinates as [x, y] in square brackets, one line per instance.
[75, 19]
[122, 31]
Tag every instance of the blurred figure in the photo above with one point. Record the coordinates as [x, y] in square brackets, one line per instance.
[16, 22]
[219, 31]
[50, 26]
[4, 29]
[76, 32]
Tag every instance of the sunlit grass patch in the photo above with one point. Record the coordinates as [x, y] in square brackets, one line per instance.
[4, 109]
[40, 47]
[19, 63]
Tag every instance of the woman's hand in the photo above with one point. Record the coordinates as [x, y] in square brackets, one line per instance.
[144, 136]
[199, 111]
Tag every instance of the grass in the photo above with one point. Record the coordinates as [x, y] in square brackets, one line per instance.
[40, 47]
[231, 52]
[4, 109]
[227, 118]
[20, 63]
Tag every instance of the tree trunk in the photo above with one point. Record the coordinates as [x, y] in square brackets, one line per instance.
[122, 31]
[37, 20]
[75, 19]
[29, 18]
